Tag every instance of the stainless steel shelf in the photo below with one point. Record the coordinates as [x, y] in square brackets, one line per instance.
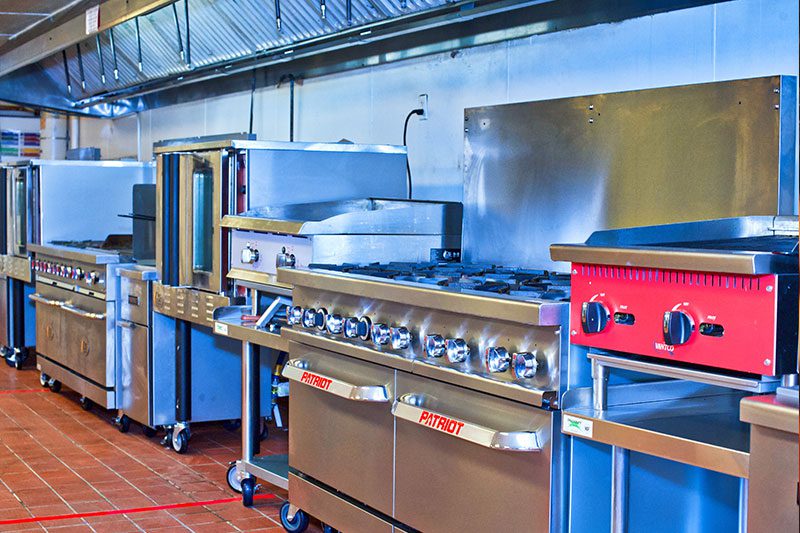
[684, 422]
[274, 469]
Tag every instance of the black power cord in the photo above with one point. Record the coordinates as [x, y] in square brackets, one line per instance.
[405, 143]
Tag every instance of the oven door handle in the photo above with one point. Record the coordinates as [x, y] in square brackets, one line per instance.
[409, 407]
[127, 324]
[39, 299]
[69, 308]
[298, 370]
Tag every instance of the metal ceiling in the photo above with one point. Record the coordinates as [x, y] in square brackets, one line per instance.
[149, 53]
[18, 17]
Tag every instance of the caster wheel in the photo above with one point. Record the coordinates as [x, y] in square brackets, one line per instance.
[328, 529]
[233, 479]
[86, 403]
[264, 435]
[232, 425]
[180, 441]
[54, 385]
[44, 379]
[19, 362]
[248, 491]
[9, 361]
[298, 523]
[148, 432]
[123, 423]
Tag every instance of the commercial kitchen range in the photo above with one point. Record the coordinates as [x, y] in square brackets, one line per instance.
[300, 235]
[39, 206]
[431, 395]
[76, 283]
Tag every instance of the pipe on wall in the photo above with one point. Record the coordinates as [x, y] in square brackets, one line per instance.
[74, 132]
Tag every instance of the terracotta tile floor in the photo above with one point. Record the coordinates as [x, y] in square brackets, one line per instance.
[57, 459]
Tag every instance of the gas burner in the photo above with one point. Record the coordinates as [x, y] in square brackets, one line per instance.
[478, 277]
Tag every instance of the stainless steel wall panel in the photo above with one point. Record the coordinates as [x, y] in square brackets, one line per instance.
[623, 159]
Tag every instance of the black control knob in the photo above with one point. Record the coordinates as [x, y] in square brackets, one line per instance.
[678, 327]
[594, 317]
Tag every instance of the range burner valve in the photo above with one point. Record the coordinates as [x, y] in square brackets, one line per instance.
[314, 318]
[334, 323]
[294, 314]
[497, 359]
[401, 338]
[380, 334]
[525, 365]
[457, 350]
[355, 327]
[434, 345]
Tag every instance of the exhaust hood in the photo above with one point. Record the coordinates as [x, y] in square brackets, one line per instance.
[149, 53]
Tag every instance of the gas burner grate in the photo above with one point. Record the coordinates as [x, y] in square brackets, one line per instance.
[526, 283]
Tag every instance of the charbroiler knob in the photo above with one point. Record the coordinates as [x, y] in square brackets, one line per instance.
[334, 324]
[294, 314]
[525, 365]
[594, 317]
[434, 345]
[678, 327]
[77, 273]
[380, 334]
[401, 338]
[457, 350]
[496, 359]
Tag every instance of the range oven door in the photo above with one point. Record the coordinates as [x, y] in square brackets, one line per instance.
[342, 427]
[71, 330]
[49, 319]
[468, 461]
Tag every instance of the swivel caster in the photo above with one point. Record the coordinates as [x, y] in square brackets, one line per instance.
[44, 379]
[86, 403]
[54, 385]
[180, 440]
[19, 360]
[123, 423]
[298, 522]
[328, 529]
[148, 432]
[234, 481]
[248, 491]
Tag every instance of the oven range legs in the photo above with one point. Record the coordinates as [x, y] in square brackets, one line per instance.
[179, 434]
[619, 489]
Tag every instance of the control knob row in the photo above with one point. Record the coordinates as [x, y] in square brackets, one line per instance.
[677, 325]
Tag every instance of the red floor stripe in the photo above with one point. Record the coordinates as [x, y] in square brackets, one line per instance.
[21, 391]
[129, 511]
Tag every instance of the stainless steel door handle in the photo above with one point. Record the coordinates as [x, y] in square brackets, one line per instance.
[126, 324]
[38, 298]
[409, 407]
[297, 370]
[83, 314]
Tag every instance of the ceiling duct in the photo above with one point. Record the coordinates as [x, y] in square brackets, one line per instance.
[152, 53]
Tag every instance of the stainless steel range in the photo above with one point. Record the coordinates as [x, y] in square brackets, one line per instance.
[263, 239]
[76, 307]
[38, 209]
[426, 396]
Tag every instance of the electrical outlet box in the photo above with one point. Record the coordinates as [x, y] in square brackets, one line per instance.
[423, 104]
